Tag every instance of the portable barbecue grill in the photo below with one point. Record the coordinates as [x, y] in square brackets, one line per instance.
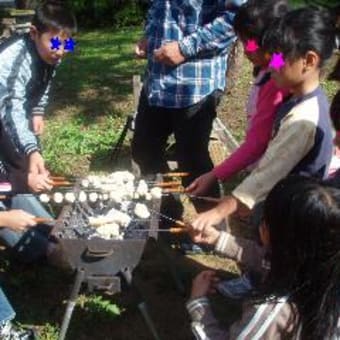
[100, 262]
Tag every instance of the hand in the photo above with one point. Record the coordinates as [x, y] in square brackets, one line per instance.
[203, 284]
[141, 48]
[17, 220]
[39, 182]
[169, 54]
[38, 125]
[36, 164]
[202, 184]
[202, 231]
[208, 234]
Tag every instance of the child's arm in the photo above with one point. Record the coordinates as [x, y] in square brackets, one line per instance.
[17, 220]
[38, 111]
[293, 141]
[204, 325]
[246, 252]
[272, 320]
[14, 118]
[258, 134]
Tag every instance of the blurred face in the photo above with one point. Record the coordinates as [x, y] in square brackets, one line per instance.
[294, 74]
[253, 52]
[50, 53]
[290, 75]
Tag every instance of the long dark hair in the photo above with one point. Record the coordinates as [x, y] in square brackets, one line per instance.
[53, 14]
[335, 75]
[253, 17]
[300, 31]
[303, 217]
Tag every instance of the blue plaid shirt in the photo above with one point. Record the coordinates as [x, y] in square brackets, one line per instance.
[204, 31]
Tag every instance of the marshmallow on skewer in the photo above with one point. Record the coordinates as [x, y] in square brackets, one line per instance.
[82, 196]
[156, 192]
[44, 198]
[141, 210]
[70, 197]
[93, 197]
[58, 197]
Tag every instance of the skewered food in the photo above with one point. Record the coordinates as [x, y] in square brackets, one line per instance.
[58, 197]
[109, 230]
[70, 197]
[44, 198]
[141, 210]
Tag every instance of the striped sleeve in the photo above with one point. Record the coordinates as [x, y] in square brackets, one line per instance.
[246, 252]
[13, 115]
[204, 325]
[39, 110]
[215, 36]
[266, 321]
[293, 141]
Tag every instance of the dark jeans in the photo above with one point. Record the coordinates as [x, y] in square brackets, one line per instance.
[191, 127]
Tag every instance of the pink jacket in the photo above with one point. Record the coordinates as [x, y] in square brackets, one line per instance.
[263, 103]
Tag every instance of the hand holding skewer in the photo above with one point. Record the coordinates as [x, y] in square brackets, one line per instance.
[17, 220]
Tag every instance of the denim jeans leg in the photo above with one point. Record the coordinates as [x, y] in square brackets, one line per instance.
[30, 204]
[6, 311]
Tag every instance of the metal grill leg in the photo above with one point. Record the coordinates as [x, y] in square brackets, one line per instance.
[142, 306]
[71, 303]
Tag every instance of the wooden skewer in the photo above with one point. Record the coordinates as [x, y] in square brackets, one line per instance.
[62, 178]
[176, 174]
[166, 184]
[173, 230]
[178, 190]
[44, 220]
[61, 183]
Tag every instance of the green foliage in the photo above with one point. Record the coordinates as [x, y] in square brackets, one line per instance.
[109, 12]
[48, 332]
[96, 304]
[73, 144]
[131, 15]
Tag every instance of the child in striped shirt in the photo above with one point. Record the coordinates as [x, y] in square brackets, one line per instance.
[299, 297]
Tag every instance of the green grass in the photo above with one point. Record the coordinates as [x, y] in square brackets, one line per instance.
[92, 94]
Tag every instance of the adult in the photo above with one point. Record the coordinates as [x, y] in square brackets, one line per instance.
[186, 44]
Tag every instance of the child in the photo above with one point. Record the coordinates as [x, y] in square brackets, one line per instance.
[265, 97]
[335, 109]
[27, 67]
[299, 296]
[300, 43]
[16, 220]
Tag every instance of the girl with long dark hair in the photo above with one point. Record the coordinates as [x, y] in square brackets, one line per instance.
[299, 297]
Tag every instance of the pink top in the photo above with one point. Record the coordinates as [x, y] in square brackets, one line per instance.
[263, 103]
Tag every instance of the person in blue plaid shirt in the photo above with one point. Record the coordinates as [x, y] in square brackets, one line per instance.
[186, 44]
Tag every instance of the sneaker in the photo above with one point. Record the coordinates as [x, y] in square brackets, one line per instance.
[236, 289]
[10, 332]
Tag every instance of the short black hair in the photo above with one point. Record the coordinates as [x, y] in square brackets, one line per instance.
[253, 17]
[300, 31]
[54, 15]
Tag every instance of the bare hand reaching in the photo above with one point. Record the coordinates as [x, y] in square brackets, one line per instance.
[203, 284]
[37, 164]
[141, 48]
[201, 185]
[39, 182]
[17, 220]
